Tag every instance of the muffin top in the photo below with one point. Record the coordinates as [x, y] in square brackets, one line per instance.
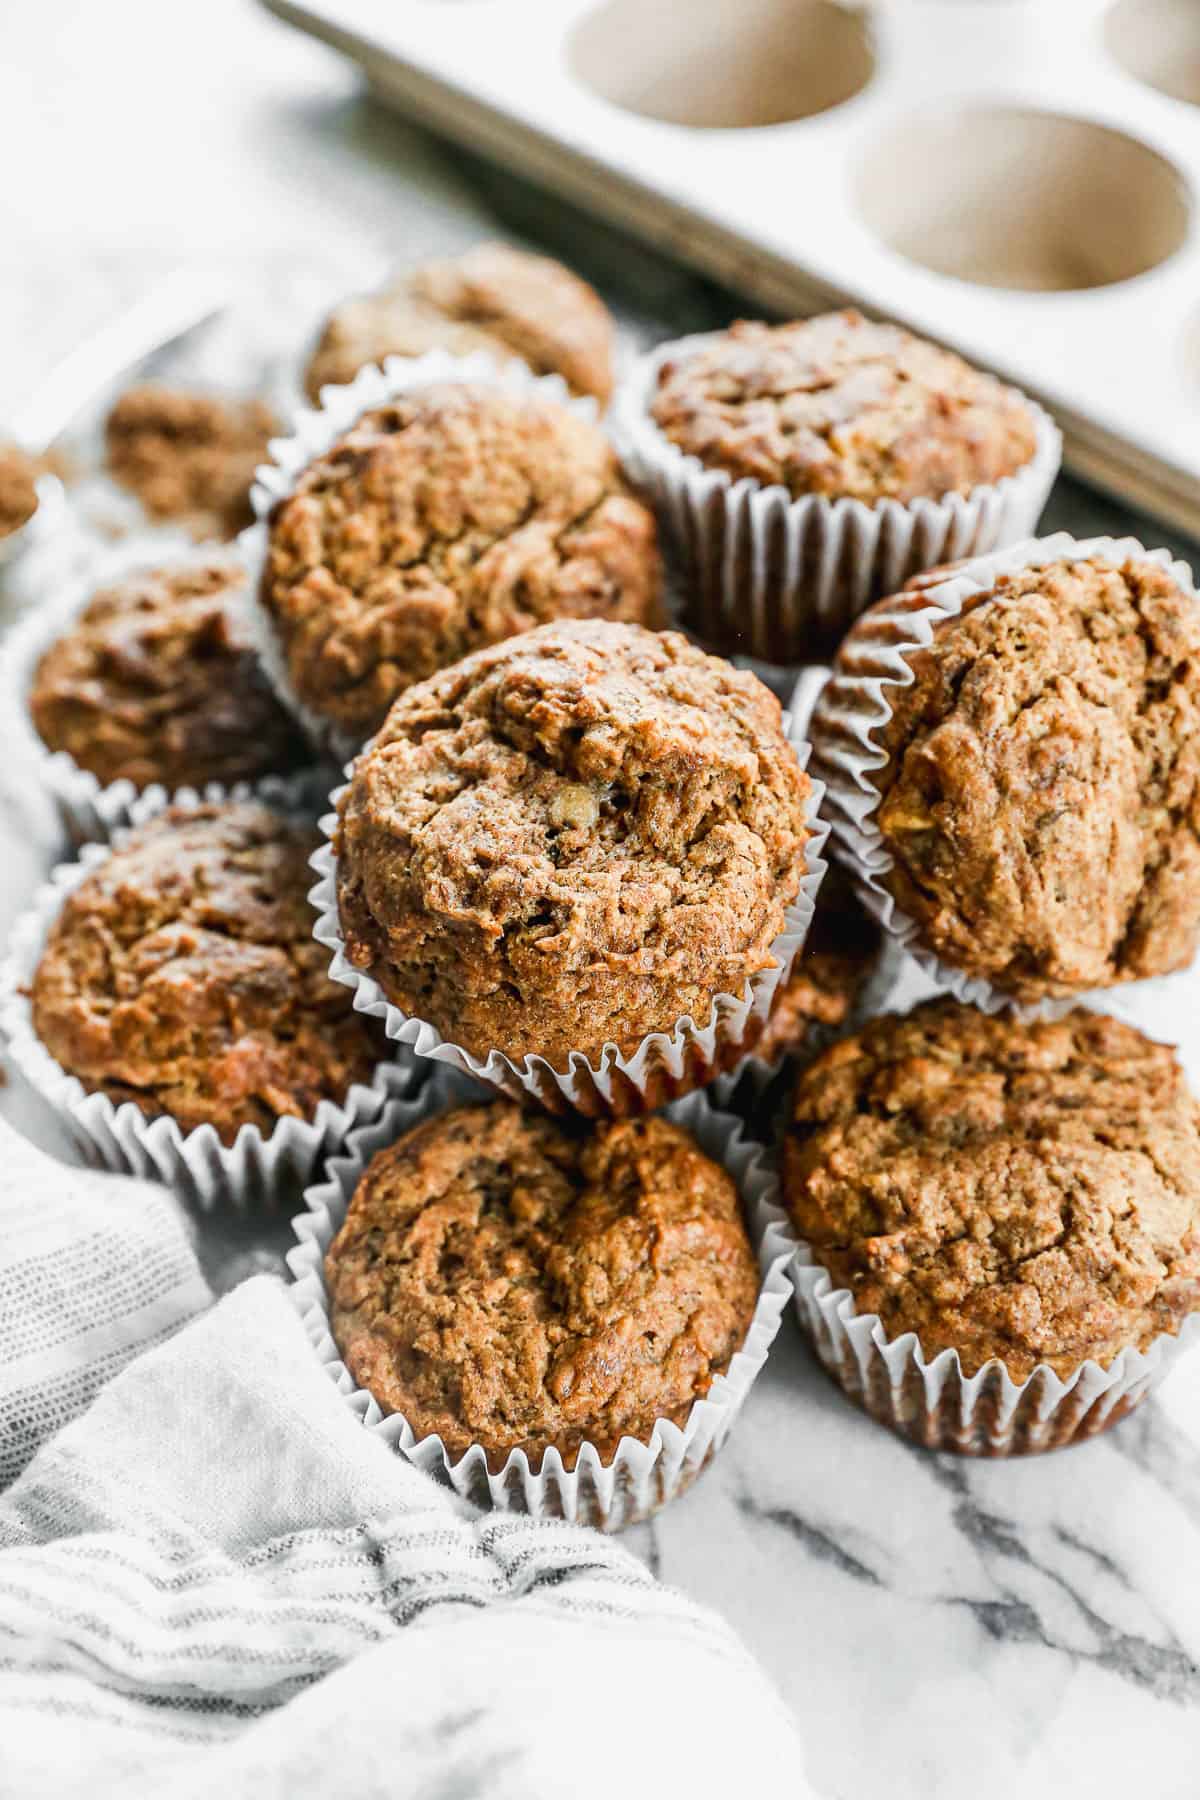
[1026, 1192]
[190, 455]
[842, 406]
[156, 681]
[182, 974]
[1041, 798]
[455, 516]
[19, 473]
[572, 838]
[506, 1280]
[840, 952]
[494, 298]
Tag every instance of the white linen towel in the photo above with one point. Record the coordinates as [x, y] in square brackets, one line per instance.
[213, 1581]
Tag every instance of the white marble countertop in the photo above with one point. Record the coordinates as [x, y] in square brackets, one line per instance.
[940, 1626]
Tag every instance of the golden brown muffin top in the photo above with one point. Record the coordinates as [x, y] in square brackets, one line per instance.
[493, 298]
[842, 406]
[506, 1280]
[156, 681]
[1041, 799]
[182, 974]
[19, 473]
[454, 516]
[574, 837]
[190, 455]
[1026, 1192]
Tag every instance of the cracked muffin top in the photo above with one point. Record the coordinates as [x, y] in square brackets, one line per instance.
[182, 974]
[840, 952]
[453, 517]
[494, 298]
[505, 1280]
[575, 837]
[157, 682]
[1041, 798]
[190, 455]
[1026, 1192]
[842, 406]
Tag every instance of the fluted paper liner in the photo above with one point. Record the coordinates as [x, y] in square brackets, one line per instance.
[741, 1088]
[91, 810]
[641, 1476]
[935, 1404]
[769, 575]
[263, 1169]
[314, 431]
[664, 1066]
[853, 706]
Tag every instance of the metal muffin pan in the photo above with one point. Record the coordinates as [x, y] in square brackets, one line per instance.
[1017, 178]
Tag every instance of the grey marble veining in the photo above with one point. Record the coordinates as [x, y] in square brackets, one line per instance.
[941, 1626]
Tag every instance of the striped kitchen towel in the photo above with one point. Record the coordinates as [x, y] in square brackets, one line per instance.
[214, 1582]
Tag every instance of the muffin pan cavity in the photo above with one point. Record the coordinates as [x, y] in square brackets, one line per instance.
[1009, 197]
[1158, 42]
[713, 65]
[1013, 178]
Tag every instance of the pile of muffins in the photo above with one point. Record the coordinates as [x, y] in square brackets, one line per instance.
[572, 1036]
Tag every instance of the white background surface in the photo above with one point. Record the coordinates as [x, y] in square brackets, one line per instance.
[941, 1627]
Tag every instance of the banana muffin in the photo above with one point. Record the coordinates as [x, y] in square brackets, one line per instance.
[189, 455]
[504, 1280]
[157, 682]
[454, 516]
[494, 298]
[843, 407]
[1024, 1192]
[182, 974]
[573, 838]
[19, 473]
[1040, 800]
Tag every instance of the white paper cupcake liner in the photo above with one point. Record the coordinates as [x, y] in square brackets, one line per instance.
[770, 575]
[664, 1066]
[743, 1088]
[90, 810]
[314, 430]
[257, 1169]
[935, 1404]
[853, 706]
[641, 1477]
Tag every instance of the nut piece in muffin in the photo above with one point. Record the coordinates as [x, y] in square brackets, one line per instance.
[505, 1280]
[190, 455]
[1024, 1192]
[842, 406]
[1041, 797]
[452, 517]
[573, 838]
[840, 952]
[156, 682]
[182, 974]
[494, 298]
